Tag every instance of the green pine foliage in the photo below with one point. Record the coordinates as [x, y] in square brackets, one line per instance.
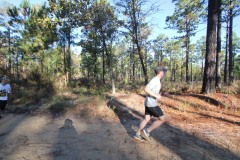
[113, 41]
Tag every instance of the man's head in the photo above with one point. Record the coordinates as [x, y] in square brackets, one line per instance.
[160, 71]
[4, 79]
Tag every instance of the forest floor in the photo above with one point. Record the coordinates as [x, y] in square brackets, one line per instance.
[198, 127]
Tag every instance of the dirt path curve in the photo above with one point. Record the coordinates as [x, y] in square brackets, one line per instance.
[39, 137]
[25, 137]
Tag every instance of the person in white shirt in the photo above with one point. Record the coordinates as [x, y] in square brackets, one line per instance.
[5, 90]
[151, 105]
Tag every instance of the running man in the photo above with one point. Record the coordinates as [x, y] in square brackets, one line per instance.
[151, 105]
[5, 89]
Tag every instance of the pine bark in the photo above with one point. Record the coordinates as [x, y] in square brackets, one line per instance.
[208, 86]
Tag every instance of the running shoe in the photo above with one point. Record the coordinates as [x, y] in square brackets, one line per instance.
[146, 135]
[139, 137]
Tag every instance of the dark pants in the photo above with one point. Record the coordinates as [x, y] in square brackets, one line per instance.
[3, 104]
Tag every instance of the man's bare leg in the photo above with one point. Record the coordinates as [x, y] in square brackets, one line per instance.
[143, 124]
[156, 124]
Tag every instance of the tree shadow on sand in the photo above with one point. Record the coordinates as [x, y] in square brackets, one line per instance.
[186, 146]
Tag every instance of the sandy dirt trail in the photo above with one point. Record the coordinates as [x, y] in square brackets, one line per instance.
[31, 137]
[39, 137]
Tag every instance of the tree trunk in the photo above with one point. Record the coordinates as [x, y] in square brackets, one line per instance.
[230, 43]
[9, 51]
[202, 69]
[69, 59]
[136, 41]
[174, 71]
[103, 53]
[187, 43]
[104, 50]
[171, 68]
[18, 75]
[132, 63]
[226, 56]
[64, 57]
[182, 67]
[158, 58]
[141, 60]
[95, 61]
[208, 79]
[42, 60]
[103, 68]
[218, 56]
[111, 68]
[191, 77]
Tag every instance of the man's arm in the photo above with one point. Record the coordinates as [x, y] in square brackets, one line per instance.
[9, 90]
[150, 93]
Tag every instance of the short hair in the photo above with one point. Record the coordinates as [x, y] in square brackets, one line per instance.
[4, 78]
[158, 69]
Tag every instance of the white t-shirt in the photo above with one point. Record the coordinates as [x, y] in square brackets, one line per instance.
[155, 86]
[4, 91]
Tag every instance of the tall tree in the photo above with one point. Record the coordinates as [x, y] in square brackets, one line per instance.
[218, 56]
[63, 11]
[100, 29]
[230, 52]
[39, 33]
[16, 22]
[136, 16]
[201, 50]
[226, 55]
[235, 49]
[185, 19]
[107, 25]
[232, 9]
[159, 45]
[69, 15]
[208, 85]
[8, 37]
[172, 49]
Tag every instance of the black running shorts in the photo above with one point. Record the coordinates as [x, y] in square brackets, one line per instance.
[2, 104]
[154, 111]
